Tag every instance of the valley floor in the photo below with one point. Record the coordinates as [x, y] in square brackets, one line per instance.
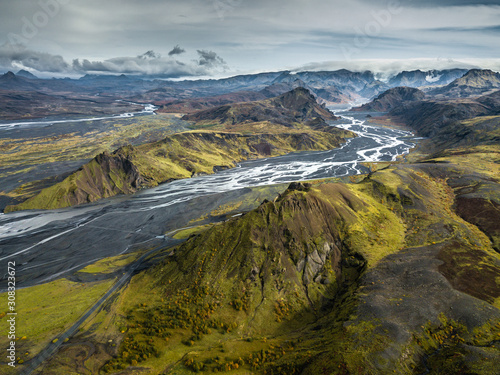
[396, 272]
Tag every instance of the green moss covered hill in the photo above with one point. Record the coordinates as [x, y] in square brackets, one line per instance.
[223, 136]
[399, 273]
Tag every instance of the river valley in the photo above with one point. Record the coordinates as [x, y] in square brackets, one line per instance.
[47, 245]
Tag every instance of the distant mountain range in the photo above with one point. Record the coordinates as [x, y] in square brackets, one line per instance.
[418, 78]
[474, 82]
[329, 87]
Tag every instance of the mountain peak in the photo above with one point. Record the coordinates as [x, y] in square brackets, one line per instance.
[480, 72]
[295, 106]
[26, 74]
[9, 75]
[299, 91]
[392, 98]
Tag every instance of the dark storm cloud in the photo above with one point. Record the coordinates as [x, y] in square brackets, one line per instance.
[152, 64]
[149, 55]
[14, 57]
[210, 59]
[177, 50]
[250, 35]
[149, 63]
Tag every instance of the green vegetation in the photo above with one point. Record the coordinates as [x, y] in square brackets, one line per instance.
[186, 233]
[281, 290]
[293, 121]
[46, 310]
[112, 264]
[20, 156]
[397, 272]
[452, 349]
[255, 276]
[178, 156]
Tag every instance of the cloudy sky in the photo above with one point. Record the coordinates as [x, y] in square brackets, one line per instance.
[224, 37]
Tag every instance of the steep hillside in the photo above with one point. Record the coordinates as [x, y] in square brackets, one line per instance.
[391, 99]
[429, 117]
[491, 101]
[373, 89]
[347, 81]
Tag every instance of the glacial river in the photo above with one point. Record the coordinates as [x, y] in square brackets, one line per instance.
[49, 244]
[149, 109]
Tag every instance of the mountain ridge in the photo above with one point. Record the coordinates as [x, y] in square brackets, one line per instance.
[299, 126]
[298, 105]
[474, 82]
[391, 99]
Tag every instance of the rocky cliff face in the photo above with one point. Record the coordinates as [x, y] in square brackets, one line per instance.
[104, 176]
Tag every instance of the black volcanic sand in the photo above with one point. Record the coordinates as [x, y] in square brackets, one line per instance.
[121, 224]
[113, 232]
[50, 172]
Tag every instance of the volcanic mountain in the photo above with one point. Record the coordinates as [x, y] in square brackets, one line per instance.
[391, 99]
[289, 109]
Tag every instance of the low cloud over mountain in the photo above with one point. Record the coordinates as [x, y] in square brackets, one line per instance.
[12, 58]
[150, 63]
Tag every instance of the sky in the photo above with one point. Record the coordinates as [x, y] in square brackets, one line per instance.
[215, 38]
